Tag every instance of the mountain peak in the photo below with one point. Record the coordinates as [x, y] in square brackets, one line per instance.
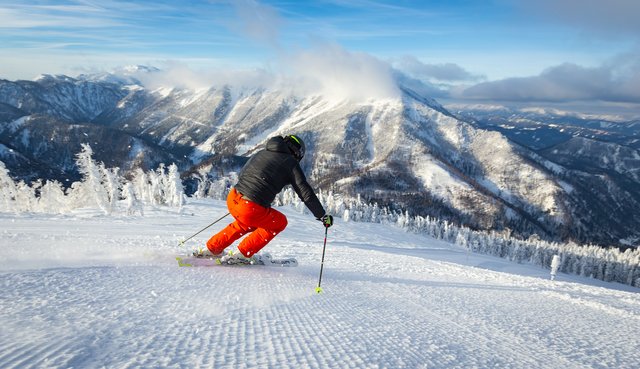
[49, 78]
[408, 151]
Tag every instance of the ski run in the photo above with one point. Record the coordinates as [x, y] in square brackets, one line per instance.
[87, 290]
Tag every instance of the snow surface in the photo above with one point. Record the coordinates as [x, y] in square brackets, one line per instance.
[90, 291]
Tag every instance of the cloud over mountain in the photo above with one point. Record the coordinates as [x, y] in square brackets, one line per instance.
[333, 71]
[450, 72]
[321, 69]
[613, 81]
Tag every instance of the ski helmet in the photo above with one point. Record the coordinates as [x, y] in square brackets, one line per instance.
[295, 145]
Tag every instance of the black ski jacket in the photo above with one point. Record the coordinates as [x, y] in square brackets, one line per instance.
[269, 171]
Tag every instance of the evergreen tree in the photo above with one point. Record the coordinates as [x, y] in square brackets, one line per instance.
[112, 184]
[25, 197]
[141, 186]
[174, 189]
[92, 185]
[52, 198]
[7, 190]
[132, 203]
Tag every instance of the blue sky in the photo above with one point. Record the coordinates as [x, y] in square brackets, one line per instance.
[545, 50]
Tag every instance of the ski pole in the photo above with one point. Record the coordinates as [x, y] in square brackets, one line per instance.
[319, 289]
[200, 231]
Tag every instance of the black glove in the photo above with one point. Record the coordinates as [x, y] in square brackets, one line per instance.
[327, 220]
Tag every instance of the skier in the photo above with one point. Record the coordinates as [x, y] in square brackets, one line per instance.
[249, 202]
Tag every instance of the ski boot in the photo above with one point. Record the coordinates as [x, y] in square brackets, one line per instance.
[204, 253]
[237, 258]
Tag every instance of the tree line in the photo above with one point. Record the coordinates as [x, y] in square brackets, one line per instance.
[111, 192]
[100, 187]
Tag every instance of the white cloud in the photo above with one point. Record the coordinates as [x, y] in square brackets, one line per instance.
[615, 81]
[316, 68]
[447, 72]
[180, 75]
[327, 70]
[319, 67]
[61, 16]
[337, 73]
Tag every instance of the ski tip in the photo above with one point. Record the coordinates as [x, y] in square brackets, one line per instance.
[182, 263]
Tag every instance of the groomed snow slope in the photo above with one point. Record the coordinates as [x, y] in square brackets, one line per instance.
[89, 291]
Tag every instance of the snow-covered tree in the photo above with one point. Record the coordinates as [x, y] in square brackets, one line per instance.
[92, 188]
[7, 190]
[25, 197]
[156, 190]
[141, 186]
[133, 205]
[346, 216]
[173, 188]
[201, 191]
[555, 265]
[52, 198]
[112, 184]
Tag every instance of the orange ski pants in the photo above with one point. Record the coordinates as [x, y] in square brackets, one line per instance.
[262, 224]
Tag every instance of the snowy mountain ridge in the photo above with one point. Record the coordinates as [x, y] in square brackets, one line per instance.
[408, 153]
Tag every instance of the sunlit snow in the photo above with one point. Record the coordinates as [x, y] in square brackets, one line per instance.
[86, 290]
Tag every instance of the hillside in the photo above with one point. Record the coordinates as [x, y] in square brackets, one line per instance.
[407, 153]
[88, 290]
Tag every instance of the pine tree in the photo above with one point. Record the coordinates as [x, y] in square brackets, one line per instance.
[174, 189]
[92, 186]
[201, 191]
[112, 184]
[346, 216]
[156, 189]
[7, 190]
[52, 198]
[141, 186]
[25, 197]
[132, 203]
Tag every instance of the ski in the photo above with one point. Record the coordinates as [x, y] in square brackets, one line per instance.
[193, 261]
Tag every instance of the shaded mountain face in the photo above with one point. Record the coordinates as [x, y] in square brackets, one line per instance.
[44, 122]
[540, 129]
[595, 159]
[407, 153]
